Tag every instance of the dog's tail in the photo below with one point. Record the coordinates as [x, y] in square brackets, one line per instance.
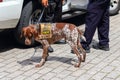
[81, 34]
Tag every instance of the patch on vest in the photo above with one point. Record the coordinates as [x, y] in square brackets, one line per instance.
[45, 30]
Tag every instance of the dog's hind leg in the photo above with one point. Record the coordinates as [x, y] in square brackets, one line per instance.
[44, 54]
[83, 51]
[75, 49]
[78, 55]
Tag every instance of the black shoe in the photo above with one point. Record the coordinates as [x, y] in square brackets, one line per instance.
[50, 49]
[72, 51]
[85, 47]
[102, 47]
[87, 50]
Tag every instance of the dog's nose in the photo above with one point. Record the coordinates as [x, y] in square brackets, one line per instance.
[27, 42]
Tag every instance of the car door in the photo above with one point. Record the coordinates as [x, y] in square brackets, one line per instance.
[81, 4]
[10, 11]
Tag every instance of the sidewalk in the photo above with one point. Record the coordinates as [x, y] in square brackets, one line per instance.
[15, 64]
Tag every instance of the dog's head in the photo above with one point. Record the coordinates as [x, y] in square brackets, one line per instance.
[29, 33]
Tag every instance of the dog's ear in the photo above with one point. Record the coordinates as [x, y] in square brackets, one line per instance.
[34, 30]
[35, 33]
[22, 32]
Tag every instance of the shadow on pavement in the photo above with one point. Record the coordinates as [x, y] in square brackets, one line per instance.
[35, 59]
[7, 41]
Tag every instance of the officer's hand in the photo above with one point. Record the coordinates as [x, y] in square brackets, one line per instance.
[45, 3]
[63, 1]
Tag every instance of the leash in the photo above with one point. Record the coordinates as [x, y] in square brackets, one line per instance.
[35, 51]
[40, 17]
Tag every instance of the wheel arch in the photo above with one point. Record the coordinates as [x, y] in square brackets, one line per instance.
[24, 3]
[23, 20]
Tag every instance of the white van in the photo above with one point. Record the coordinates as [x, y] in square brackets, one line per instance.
[14, 14]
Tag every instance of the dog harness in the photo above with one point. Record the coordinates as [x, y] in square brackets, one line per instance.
[44, 30]
[47, 30]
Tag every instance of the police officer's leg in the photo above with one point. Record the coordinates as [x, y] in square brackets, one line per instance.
[103, 31]
[93, 18]
[58, 11]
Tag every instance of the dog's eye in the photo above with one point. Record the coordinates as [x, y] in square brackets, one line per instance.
[30, 35]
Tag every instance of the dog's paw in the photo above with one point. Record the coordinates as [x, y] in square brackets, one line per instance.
[38, 65]
[83, 57]
[77, 65]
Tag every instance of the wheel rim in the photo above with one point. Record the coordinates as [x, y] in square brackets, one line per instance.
[114, 4]
[34, 17]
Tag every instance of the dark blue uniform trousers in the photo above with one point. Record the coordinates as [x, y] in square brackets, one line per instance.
[97, 17]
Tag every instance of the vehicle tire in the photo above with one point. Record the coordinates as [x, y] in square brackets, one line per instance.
[27, 17]
[114, 7]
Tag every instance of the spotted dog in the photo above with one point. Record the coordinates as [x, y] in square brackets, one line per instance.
[70, 32]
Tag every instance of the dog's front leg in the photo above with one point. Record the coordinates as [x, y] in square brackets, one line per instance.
[44, 54]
